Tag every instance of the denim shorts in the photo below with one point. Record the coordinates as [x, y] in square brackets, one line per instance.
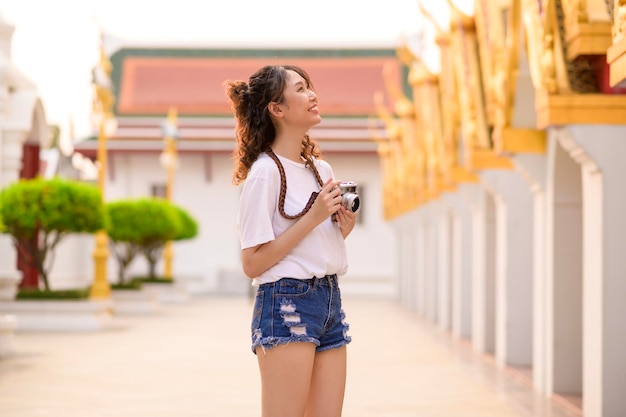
[299, 310]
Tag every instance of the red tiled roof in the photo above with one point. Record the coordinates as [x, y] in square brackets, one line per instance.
[195, 85]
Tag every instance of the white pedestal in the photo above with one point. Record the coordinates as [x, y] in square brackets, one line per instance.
[60, 315]
[143, 301]
[169, 293]
[8, 287]
[8, 324]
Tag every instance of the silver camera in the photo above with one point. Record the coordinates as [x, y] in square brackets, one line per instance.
[350, 196]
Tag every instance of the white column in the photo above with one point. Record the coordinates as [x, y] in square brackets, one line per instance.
[404, 227]
[514, 265]
[442, 277]
[419, 288]
[461, 260]
[483, 273]
[412, 259]
[430, 261]
[600, 150]
[563, 271]
[401, 279]
[10, 166]
[533, 169]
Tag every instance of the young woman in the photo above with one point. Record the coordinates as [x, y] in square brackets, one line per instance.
[292, 227]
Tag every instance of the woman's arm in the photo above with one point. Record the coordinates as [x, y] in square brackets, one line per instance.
[260, 258]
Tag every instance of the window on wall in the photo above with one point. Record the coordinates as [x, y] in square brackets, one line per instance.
[158, 190]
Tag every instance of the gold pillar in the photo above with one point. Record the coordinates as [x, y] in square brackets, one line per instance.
[103, 115]
[169, 160]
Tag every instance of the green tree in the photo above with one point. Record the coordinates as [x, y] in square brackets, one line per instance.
[1, 224]
[124, 235]
[157, 224]
[188, 225]
[39, 213]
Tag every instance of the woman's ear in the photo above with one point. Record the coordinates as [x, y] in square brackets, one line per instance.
[275, 109]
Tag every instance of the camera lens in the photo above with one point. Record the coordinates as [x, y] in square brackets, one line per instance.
[351, 202]
[356, 204]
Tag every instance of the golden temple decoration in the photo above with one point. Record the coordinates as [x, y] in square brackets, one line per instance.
[490, 35]
[616, 55]
[449, 111]
[104, 121]
[441, 31]
[487, 159]
[580, 109]
[619, 21]
[544, 47]
[549, 49]
[474, 129]
[428, 121]
[503, 39]
[587, 27]
[403, 173]
[387, 153]
[411, 139]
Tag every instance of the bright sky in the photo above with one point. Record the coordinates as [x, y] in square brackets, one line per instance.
[55, 42]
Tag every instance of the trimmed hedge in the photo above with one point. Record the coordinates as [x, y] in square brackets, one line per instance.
[39, 213]
[144, 226]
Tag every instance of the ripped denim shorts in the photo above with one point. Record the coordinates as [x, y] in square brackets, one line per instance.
[299, 310]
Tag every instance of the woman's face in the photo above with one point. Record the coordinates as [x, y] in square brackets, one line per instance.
[300, 102]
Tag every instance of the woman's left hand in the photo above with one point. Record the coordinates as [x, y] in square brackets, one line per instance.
[346, 220]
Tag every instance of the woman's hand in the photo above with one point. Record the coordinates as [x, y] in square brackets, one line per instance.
[346, 220]
[327, 203]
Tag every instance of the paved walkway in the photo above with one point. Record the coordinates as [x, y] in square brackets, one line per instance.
[193, 360]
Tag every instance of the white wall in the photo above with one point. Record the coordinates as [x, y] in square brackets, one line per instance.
[204, 188]
[371, 245]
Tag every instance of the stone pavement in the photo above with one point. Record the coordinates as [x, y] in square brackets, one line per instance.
[193, 360]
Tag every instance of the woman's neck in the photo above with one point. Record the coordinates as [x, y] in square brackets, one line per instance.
[289, 147]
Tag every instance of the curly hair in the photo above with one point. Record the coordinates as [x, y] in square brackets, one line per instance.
[255, 130]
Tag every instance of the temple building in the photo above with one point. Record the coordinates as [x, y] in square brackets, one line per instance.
[510, 147]
[23, 131]
[186, 87]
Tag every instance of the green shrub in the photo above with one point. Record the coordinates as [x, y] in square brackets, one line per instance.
[154, 280]
[36, 294]
[124, 237]
[188, 225]
[133, 284]
[140, 226]
[144, 226]
[39, 213]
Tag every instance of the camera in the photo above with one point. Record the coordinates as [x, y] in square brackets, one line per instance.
[350, 196]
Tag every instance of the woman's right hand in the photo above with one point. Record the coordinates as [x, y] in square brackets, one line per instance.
[327, 202]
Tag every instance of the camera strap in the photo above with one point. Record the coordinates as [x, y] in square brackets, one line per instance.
[283, 188]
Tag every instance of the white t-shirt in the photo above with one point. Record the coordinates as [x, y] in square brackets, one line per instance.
[321, 252]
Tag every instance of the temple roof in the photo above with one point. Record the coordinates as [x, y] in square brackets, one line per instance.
[148, 81]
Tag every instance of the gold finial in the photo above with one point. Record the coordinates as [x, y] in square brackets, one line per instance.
[403, 105]
[456, 8]
[391, 125]
[406, 55]
[440, 30]
[172, 115]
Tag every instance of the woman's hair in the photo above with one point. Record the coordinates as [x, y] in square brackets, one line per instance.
[255, 130]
